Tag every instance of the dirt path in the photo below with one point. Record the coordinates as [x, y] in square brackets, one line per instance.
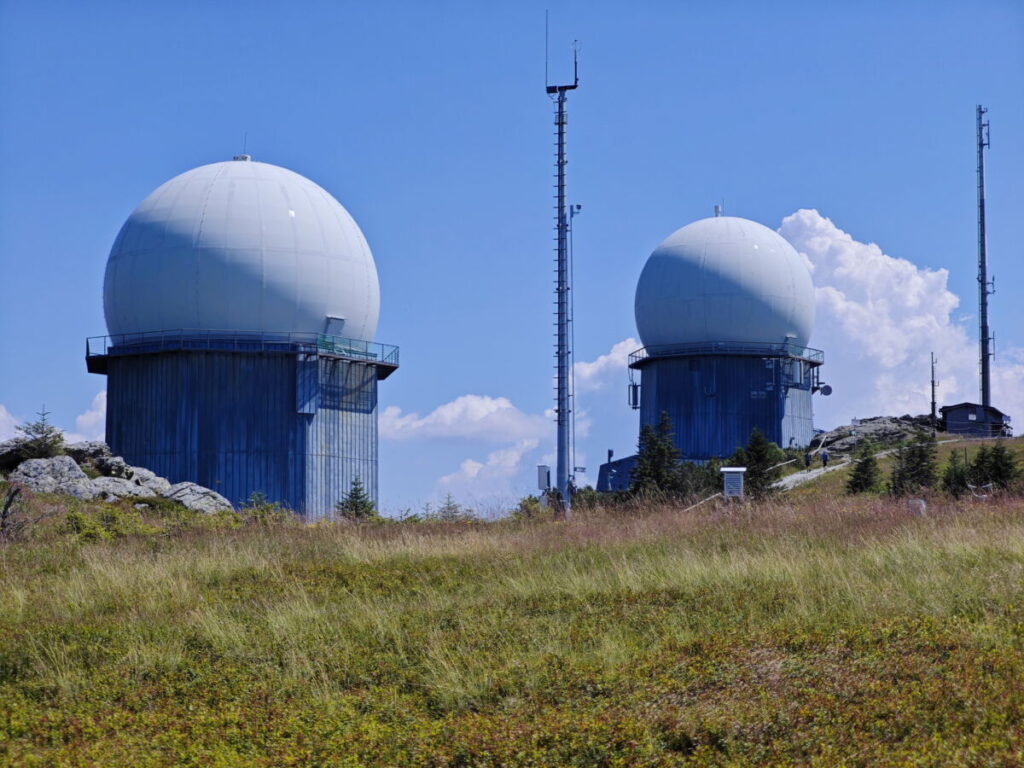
[789, 482]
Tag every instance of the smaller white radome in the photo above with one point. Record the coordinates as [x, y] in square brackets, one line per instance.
[724, 279]
[241, 246]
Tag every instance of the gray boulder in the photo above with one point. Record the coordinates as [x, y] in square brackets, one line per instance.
[114, 466]
[88, 450]
[880, 430]
[197, 498]
[57, 475]
[114, 488]
[10, 454]
[149, 482]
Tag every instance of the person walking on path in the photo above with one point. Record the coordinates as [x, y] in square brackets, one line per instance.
[824, 458]
[807, 459]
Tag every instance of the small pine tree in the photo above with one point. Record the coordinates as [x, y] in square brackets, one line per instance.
[914, 466]
[451, 511]
[981, 468]
[40, 439]
[357, 505]
[924, 460]
[898, 483]
[865, 476]
[657, 470]
[956, 475]
[760, 457]
[1002, 466]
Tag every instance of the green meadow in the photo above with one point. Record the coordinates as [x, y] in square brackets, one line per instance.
[822, 630]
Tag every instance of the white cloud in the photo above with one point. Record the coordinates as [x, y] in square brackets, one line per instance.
[93, 423]
[480, 420]
[878, 319]
[495, 420]
[493, 479]
[596, 374]
[475, 417]
[7, 424]
[90, 425]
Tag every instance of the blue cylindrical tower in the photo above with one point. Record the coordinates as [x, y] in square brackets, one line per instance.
[241, 302]
[725, 309]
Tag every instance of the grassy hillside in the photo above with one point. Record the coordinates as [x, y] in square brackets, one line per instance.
[834, 483]
[830, 632]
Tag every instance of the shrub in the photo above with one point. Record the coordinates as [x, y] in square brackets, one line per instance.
[760, 457]
[529, 508]
[84, 527]
[586, 498]
[259, 510]
[105, 523]
[700, 479]
[166, 509]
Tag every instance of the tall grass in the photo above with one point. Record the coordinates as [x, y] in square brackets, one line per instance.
[719, 636]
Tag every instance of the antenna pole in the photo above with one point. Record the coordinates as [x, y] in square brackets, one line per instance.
[935, 421]
[545, 49]
[563, 336]
[985, 288]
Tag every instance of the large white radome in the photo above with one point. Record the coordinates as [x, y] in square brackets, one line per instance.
[724, 279]
[241, 246]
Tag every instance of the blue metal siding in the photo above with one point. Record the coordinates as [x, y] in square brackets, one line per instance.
[246, 423]
[715, 401]
[616, 475]
[342, 436]
[797, 419]
[307, 383]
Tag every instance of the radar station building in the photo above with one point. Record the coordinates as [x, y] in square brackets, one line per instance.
[241, 302]
[725, 310]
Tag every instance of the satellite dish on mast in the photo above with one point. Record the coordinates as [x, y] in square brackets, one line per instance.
[826, 390]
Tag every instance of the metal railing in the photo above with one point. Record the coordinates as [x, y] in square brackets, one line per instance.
[751, 348]
[241, 341]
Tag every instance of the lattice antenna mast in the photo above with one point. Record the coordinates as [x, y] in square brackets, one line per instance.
[985, 287]
[563, 285]
[935, 421]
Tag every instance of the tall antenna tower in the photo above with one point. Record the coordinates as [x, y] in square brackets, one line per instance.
[935, 419]
[985, 287]
[563, 285]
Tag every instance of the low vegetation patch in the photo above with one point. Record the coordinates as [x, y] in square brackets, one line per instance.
[839, 631]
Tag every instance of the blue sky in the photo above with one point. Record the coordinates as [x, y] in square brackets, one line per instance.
[428, 121]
